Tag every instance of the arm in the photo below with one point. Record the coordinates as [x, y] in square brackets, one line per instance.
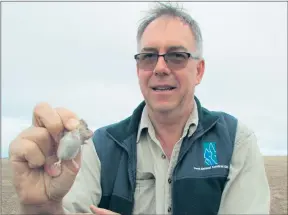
[247, 190]
[86, 189]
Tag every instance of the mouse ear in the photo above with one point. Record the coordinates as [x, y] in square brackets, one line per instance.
[82, 121]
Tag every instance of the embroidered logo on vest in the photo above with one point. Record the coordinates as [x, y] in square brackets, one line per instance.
[210, 160]
[209, 153]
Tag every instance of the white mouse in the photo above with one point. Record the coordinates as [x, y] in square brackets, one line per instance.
[70, 143]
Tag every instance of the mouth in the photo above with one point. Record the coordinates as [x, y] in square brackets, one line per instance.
[163, 88]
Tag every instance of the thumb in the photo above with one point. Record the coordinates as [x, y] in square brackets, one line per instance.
[101, 211]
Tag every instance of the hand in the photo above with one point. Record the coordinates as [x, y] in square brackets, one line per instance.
[98, 211]
[32, 153]
[101, 211]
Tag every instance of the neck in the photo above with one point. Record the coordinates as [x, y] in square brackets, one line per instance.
[170, 125]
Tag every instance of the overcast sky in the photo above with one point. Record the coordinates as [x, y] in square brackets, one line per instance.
[80, 56]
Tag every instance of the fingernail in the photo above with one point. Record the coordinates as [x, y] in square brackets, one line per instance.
[52, 170]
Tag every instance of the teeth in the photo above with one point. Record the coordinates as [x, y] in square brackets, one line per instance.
[163, 88]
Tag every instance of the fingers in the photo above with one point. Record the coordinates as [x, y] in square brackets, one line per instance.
[54, 120]
[40, 137]
[48, 167]
[30, 149]
[36, 145]
[69, 119]
[45, 116]
[101, 211]
[58, 186]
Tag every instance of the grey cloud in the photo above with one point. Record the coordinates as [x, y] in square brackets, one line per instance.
[80, 56]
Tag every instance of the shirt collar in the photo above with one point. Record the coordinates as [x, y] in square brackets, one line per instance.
[145, 122]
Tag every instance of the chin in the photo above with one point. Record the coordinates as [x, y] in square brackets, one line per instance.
[162, 107]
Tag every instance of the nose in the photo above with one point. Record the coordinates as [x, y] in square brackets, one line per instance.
[90, 133]
[161, 67]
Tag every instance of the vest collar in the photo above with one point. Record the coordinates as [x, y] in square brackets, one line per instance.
[126, 128]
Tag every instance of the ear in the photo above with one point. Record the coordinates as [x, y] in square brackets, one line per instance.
[82, 121]
[137, 69]
[200, 71]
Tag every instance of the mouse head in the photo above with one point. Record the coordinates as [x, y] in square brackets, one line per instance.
[84, 131]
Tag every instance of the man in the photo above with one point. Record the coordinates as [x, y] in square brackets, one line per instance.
[171, 156]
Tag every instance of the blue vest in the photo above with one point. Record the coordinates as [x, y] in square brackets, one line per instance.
[199, 176]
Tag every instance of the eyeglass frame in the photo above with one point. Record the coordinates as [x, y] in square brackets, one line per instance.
[189, 55]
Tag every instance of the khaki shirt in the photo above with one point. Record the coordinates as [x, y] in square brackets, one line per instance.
[246, 192]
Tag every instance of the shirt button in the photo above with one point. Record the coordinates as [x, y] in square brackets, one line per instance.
[169, 209]
[163, 156]
[169, 180]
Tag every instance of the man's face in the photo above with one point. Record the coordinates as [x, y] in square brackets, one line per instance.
[166, 35]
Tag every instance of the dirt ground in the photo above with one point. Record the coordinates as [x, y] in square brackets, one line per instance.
[276, 168]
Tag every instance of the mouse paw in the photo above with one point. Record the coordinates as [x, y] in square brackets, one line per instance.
[57, 164]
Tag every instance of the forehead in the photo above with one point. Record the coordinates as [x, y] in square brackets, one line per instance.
[165, 32]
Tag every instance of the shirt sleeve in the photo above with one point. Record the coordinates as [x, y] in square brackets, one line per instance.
[247, 190]
[86, 189]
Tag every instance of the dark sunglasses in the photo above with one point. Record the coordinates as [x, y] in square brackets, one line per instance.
[174, 60]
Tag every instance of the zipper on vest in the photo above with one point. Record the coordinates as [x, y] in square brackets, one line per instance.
[130, 171]
[194, 138]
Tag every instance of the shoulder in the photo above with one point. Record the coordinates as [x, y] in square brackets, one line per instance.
[241, 134]
[100, 136]
[245, 136]
[245, 145]
[223, 117]
[104, 138]
[225, 123]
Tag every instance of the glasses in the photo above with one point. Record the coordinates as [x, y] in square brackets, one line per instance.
[174, 60]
